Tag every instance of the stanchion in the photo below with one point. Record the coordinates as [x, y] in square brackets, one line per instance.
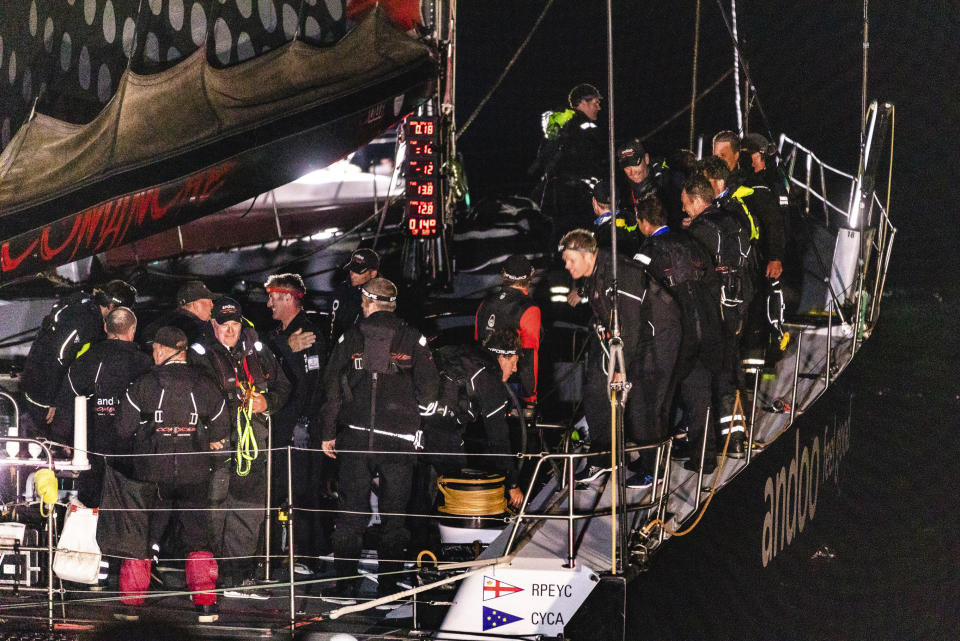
[266, 532]
[293, 603]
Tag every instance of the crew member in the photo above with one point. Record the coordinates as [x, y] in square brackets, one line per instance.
[650, 331]
[475, 400]
[645, 178]
[681, 266]
[292, 423]
[363, 266]
[172, 413]
[626, 224]
[251, 381]
[101, 374]
[761, 202]
[724, 235]
[579, 159]
[510, 306]
[72, 327]
[192, 315]
[378, 374]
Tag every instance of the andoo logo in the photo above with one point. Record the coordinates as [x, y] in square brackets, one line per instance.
[791, 496]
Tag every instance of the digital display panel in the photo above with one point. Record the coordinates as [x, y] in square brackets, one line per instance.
[423, 180]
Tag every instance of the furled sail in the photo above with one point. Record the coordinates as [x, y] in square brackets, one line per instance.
[179, 139]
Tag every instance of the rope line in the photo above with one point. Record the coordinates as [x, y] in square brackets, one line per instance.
[506, 70]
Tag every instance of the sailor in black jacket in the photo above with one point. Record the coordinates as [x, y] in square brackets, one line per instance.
[102, 374]
[380, 377]
[475, 402]
[172, 414]
[650, 329]
[72, 327]
[681, 266]
[192, 315]
[721, 232]
[253, 385]
[291, 423]
[345, 311]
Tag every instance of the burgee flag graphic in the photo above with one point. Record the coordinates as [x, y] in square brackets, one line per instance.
[495, 618]
[493, 588]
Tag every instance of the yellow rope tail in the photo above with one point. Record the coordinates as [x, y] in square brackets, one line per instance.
[247, 450]
[737, 409]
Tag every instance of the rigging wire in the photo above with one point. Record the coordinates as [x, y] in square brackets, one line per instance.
[682, 111]
[746, 71]
[736, 67]
[506, 70]
[696, 57]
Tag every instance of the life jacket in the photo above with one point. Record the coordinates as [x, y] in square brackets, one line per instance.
[172, 431]
[740, 194]
[684, 264]
[504, 309]
[457, 364]
[235, 377]
[730, 239]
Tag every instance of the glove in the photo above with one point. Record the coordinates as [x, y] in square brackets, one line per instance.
[301, 436]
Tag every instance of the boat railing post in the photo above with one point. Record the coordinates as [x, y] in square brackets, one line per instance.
[523, 505]
[290, 522]
[665, 488]
[570, 505]
[751, 433]
[826, 379]
[796, 376]
[703, 456]
[266, 531]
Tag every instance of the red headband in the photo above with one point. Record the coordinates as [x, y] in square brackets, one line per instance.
[296, 293]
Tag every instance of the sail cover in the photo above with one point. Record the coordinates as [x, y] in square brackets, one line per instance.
[131, 117]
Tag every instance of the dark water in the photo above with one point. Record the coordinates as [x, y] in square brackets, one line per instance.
[879, 557]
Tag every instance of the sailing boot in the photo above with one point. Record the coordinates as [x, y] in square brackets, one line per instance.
[202, 571]
[733, 423]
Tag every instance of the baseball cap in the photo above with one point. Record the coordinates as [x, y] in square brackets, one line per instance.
[584, 91]
[171, 337]
[193, 290]
[362, 260]
[225, 310]
[631, 153]
[752, 143]
[517, 267]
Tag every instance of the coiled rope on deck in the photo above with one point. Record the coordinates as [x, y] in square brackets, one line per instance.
[488, 501]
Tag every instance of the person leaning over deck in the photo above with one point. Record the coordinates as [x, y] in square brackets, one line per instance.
[251, 381]
[173, 414]
[378, 374]
[650, 329]
[510, 306]
[474, 402]
[102, 375]
[73, 325]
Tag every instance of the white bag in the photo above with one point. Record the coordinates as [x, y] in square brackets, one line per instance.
[77, 557]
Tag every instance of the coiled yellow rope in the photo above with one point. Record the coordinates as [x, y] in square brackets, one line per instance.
[247, 450]
[482, 502]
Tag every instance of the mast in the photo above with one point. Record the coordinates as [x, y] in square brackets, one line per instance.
[863, 89]
[736, 67]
